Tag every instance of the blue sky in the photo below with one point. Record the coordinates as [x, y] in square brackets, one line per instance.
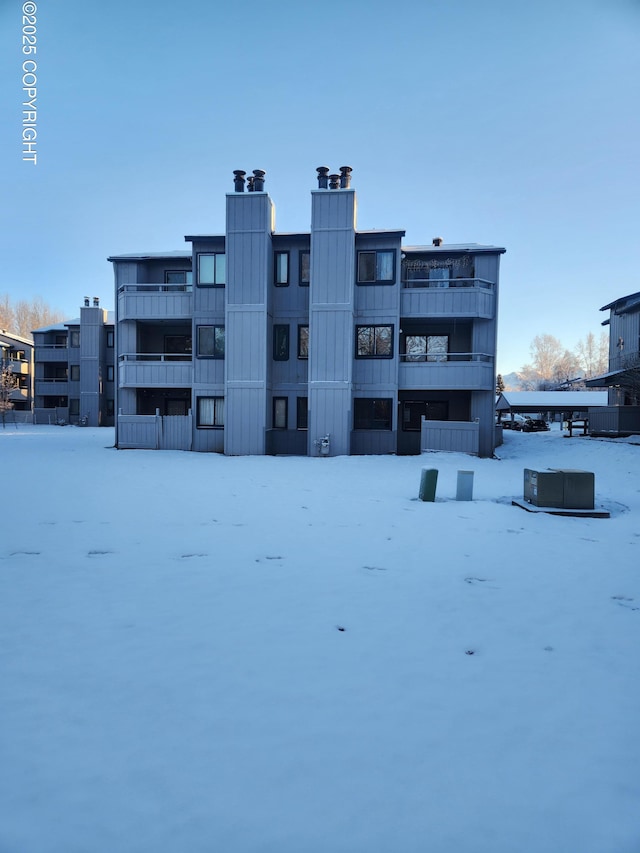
[492, 121]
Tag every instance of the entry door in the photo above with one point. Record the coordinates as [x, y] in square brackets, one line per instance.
[410, 420]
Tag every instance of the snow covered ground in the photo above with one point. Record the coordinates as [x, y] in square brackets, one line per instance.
[291, 655]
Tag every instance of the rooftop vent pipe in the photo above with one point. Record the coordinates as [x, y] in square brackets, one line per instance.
[96, 302]
[238, 180]
[345, 177]
[323, 181]
[250, 181]
[334, 182]
[437, 241]
[86, 302]
[258, 180]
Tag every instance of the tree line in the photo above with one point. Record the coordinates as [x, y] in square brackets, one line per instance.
[553, 367]
[23, 316]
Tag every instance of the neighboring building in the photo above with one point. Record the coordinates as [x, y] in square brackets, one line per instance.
[17, 353]
[74, 369]
[255, 341]
[623, 376]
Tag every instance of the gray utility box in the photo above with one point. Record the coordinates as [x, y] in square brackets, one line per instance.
[563, 488]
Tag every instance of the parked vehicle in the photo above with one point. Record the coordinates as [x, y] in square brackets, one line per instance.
[535, 425]
[512, 422]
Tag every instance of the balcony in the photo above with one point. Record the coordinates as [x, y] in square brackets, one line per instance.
[51, 352]
[155, 301]
[17, 366]
[19, 395]
[460, 371]
[52, 387]
[458, 297]
[155, 370]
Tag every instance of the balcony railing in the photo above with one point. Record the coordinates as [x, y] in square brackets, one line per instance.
[155, 370]
[156, 356]
[440, 357]
[411, 282]
[462, 371]
[154, 301]
[155, 288]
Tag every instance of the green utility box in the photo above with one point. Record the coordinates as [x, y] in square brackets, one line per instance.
[561, 488]
[428, 481]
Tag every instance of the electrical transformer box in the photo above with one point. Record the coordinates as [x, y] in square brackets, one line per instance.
[561, 488]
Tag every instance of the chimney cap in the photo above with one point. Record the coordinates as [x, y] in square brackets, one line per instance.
[438, 241]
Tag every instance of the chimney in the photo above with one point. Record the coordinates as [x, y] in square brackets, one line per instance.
[437, 241]
[250, 181]
[238, 181]
[96, 302]
[258, 180]
[334, 182]
[86, 302]
[323, 181]
[345, 177]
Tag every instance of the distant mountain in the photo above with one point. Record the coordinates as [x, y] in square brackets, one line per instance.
[511, 381]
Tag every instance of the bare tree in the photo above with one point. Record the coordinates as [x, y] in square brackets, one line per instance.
[23, 317]
[593, 354]
[8, 383]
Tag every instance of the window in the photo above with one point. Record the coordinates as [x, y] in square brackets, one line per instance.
[281, 269]
[110, 339]
[414, 410]
[303, 342]
[178, 346]
[210, 412]
[212, 270]
[302, 413]
[281, 342]
[109, 373]
[60, 341]
[376, 267]
[305, 269]
[75, 373]
[211, 341]
[374, 341]
[280, 407]
[74, 338]
[370, 413]
[177, 277]
[440, 274]
[110, 408]
[74, 406]
[426, 347]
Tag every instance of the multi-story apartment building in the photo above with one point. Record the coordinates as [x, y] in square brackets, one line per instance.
[16, 353]
[327, 342]
[622, 417]
[75, 369]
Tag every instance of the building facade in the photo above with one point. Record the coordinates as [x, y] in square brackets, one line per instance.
[16, 353]
[328, 342]
[74, 369]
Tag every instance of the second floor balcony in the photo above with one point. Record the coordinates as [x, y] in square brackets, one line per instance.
[155, 301]
[453, 371]
[155, 370]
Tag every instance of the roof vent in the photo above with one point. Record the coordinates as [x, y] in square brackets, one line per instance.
[345, 177]
[238, 180]
[323, 180]
[334, 182]
[258, 180]
[437, 241]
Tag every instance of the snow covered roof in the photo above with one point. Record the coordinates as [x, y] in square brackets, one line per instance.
[540, 401]
[454, 247]
[624, 304]
[149, 256]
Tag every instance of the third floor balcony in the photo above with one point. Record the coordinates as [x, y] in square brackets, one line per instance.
[155, 301]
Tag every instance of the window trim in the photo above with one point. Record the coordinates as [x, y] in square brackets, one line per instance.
[276, 255]
[384, 281]
[214, 255]
[274, 404]
[214, 355]
[216, 399]
[375, 326]
[359, 401]
[302, 406]
[300, 327]
[278, 329]
[301, 282]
